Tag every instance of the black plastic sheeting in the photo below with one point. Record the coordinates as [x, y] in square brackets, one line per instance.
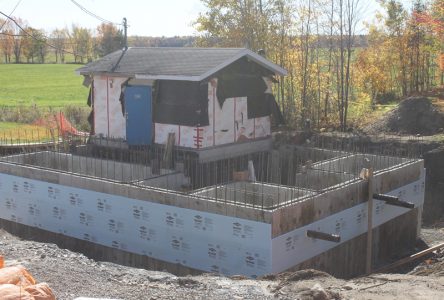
[122, 95]
[239, 86]
[181, 102]
[276, 113]
[91, 121]
[264, 105]
[90, 99]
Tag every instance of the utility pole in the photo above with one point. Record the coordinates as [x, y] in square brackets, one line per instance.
[125, 32]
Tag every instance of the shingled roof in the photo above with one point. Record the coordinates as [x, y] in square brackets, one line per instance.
[193, 64]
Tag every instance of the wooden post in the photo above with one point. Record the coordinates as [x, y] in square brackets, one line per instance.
[368, 265]
[168, 154]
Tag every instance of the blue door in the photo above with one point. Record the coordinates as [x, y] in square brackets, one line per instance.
[138, 115]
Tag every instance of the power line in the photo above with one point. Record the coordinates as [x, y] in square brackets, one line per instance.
[13, 35]
[6, 21]
[39, 39]
[93, 14]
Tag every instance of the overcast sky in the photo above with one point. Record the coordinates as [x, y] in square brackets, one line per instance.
[145, 17]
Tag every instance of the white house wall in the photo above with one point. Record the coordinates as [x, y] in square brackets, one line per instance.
[224, 122]
[262, 127]
[108, 118]
[227, 124]
[100, 106]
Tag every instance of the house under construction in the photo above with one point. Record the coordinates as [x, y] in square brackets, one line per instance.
[182, 173]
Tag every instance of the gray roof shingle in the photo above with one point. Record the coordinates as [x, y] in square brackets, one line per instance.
[172, 62]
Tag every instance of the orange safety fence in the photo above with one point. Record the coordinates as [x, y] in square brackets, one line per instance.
[59, 122]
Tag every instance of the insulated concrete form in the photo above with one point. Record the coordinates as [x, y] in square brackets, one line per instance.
[208, 229]
[259, 194]
[103, 168]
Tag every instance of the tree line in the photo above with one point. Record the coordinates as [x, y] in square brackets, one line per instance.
[334, 71]
[22, 43]
[316, 41]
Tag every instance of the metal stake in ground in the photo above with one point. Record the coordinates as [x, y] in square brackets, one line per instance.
[368, 265]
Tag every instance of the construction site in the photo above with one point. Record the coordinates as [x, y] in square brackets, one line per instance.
[288, 208]
[185, 170]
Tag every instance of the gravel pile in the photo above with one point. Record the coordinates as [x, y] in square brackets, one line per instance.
[71, 275]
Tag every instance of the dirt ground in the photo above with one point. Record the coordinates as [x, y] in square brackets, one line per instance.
[414, 115]
[73, 275]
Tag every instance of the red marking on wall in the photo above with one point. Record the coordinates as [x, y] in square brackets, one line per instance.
[107, 101]
[198, 137]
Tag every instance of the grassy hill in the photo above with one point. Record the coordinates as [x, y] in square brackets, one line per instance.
[53, 85]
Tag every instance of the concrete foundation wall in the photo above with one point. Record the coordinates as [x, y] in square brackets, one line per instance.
[139, 192]
[198, 240]
[96, 251]
[102, 168]
[319, 180]
[295, 247]
[255, 193]
[342, 197]
[344, 261]
[353, 164]
[348, 259]
[250, 228]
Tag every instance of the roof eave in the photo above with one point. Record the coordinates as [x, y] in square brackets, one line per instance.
[168, 77]
[253, 56]
[278, 70]
[104, 73]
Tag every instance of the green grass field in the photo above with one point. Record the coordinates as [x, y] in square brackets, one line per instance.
[54, 85]
[11, 132]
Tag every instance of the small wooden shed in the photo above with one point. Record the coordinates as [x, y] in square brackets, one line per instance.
[206, 96]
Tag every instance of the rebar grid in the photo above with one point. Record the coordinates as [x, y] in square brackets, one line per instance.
[287, 174]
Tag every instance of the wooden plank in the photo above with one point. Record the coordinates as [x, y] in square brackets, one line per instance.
[408, 259]
[323, 236]
[392, 200]
[168, 154]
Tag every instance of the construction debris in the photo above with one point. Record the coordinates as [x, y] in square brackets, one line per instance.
[16, 283]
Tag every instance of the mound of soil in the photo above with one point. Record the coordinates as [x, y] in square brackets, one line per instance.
[414, 115]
